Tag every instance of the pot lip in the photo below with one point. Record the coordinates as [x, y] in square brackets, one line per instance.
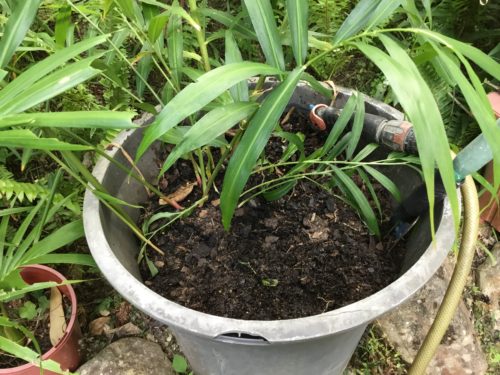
[69, 328]
[181, 318]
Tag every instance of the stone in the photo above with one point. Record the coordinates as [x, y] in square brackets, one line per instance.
[129, 356]
[488, 280]
[405, 328]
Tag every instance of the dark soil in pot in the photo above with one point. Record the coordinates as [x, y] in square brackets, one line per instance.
[302, 255]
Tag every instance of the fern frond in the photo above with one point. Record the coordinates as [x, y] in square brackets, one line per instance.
[108, 137]
[460, 127]
[5, 174]
[24, 190]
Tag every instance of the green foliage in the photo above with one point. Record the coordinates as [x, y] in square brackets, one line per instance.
[27, 244]
[179, 364]
[27, 310]
[375, 354]
[21, 191]
[193, 61]
[252, 144]
[23, 13]
[468, 21]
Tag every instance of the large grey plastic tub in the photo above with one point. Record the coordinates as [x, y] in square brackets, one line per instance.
[319, 345]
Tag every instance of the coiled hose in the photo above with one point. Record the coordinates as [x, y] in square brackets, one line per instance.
[458, 280]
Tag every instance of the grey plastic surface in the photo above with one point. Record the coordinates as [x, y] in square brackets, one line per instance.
[320, 344]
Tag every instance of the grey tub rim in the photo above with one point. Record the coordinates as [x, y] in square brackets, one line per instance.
[273, 331]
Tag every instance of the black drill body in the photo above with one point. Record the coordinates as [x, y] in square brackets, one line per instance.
[396, 135]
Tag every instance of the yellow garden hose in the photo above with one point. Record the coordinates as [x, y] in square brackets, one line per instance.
[457, 282]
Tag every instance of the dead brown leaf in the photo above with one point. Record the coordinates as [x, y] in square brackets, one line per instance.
[56, 316]
[179, 195]
[99, 326]
[129, 329]
[287, 117]
[123, 313]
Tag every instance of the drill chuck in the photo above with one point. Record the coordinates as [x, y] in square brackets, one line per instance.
[397, 135]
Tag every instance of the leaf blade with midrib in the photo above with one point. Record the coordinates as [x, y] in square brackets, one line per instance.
[252, 143]
[198, 94]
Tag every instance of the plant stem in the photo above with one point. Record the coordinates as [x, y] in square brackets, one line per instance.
[201, 162]
[101, 152]
[10, 333]
[222, 158]
[93, 185]
[200, 36]
[157, 52]
[117, 50]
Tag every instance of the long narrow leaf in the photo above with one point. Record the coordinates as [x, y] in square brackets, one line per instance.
[418, 102]
[479, 58]
[144, 67]
[175, 136]
[175, 46]
[198, 94]
[252, 143]
[4, 224]
[362, 204]
[383, 11]
[365, 152]
[262, 17]
[83, 119]
[48, 87]
[385, 181]
[357, 126]
[119, 37]
[239, 92]
[8, 295]
[481, 109]
[63, 24]
[229, 21]
[19, 239]
[340, 125]
[209, 127]
[175, 10]
[13, 211]
[156, 26]
[297, 15]
[356, 20]
[75, 259]
[54, 241]
[317, 85]
[16, 28]
[132, 10]
[366, 15]
[41, 69]
[368, 184]
[23, 138]
[428, 10]
[295, 143]
[29, 355]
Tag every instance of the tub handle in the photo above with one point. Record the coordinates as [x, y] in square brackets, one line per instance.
[241, 338]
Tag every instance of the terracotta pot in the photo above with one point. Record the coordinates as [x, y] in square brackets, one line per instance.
[66, 351]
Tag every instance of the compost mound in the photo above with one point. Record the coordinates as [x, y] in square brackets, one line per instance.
[301, 255]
